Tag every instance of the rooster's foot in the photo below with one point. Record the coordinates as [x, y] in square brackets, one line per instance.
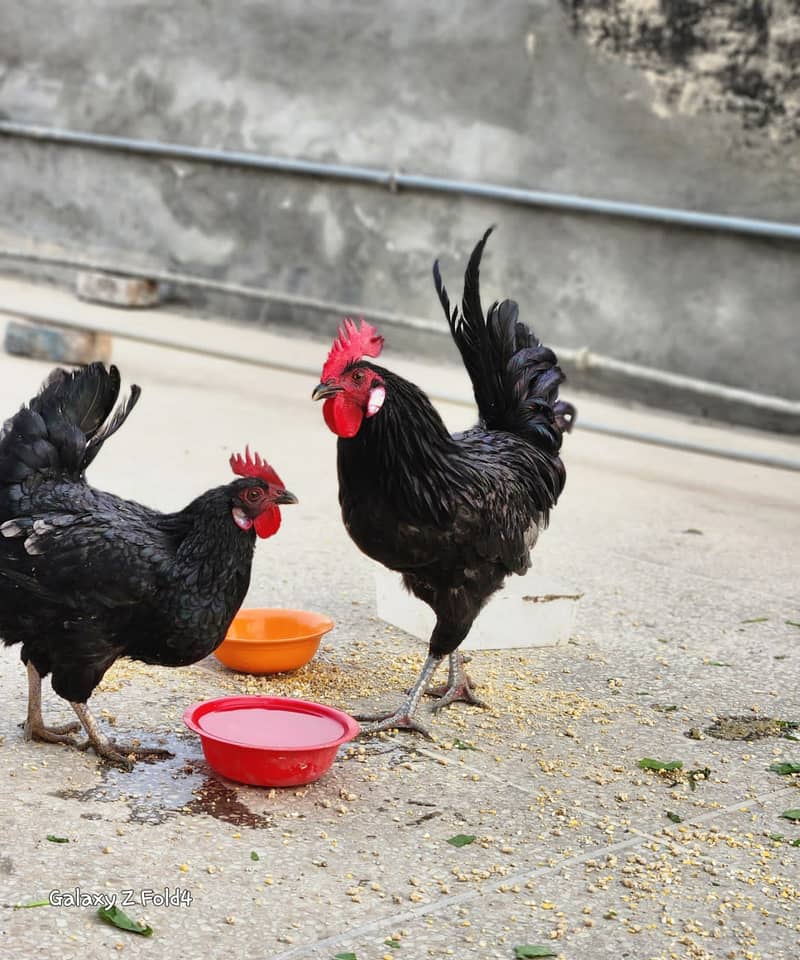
[459, 685]
[462, 691]
[400, 720]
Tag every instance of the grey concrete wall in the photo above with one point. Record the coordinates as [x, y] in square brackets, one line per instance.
[503, 92]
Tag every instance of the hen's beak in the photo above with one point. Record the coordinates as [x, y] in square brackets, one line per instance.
[324, 390]
[284, 497]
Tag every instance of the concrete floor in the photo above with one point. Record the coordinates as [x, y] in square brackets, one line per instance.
[688, 566]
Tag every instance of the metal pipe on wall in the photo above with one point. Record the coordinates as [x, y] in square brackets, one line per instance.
[395, 180]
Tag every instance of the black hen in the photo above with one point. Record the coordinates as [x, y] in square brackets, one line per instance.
[87, 577]
[455, 514]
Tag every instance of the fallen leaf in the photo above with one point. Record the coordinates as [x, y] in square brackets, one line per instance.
[792, 623]
[254, 855]
[755, 620]
[33, 903]
[118, 918]
[791, 814]
[785, 768]
[463, 745]
[392, 944]
[647, 763]
[54, 839]
[674, 817]
[527, 950]
[344, 956]
[461, 839]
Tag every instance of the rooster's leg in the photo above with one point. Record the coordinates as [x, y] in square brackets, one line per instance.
[403, 719]
[35, 728]
[458, 687]
[117, 753]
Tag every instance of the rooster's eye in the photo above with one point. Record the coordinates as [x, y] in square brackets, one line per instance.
[358, 376]
[253, 495]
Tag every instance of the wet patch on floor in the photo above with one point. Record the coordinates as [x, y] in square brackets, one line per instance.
[180, 785]
[753, 728]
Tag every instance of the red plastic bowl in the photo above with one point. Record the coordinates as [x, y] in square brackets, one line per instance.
[269, 741]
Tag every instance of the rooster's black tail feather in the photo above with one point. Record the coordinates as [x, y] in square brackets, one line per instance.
[514, 377]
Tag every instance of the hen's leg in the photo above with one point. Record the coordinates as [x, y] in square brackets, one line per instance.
[459, 685]
[403, 719]
[35, 728]
[116, 753]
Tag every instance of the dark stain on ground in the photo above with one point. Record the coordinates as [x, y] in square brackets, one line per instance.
[752, 728]
[156, 792]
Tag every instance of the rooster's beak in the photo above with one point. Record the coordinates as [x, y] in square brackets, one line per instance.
[284, 496]
[324, 390]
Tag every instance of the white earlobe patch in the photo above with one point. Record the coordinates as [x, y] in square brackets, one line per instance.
[376, 397]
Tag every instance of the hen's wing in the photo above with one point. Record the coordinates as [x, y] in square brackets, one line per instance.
[107, 558]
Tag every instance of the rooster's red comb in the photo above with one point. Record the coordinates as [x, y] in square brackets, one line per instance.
[248, 466]
[350, 345]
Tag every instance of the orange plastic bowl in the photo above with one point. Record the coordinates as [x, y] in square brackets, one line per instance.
[272, 640]
[269, 741]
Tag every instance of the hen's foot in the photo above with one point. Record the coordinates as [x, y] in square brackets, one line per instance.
[120, 754]
[400, 720]
[57, 734]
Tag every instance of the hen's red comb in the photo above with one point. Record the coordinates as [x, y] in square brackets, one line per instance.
[351, 344]
[248, 466]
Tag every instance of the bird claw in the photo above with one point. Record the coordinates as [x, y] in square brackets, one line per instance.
[400, 720]
[464, 692]
[57, 734]
[125, 756]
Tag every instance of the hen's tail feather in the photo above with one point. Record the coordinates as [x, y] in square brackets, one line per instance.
[63, 427]
[515, 378]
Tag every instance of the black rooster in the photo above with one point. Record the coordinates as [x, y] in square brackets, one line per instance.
[86, 577]
[455, 514]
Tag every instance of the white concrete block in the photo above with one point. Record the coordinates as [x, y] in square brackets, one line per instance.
[116, 290]
[530, 611]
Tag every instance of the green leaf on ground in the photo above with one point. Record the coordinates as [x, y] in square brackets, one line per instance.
[793, 623]
[54, 839]
[755, 620]
[791, 814]
[254, 855]
[461, 839]
[463, 745]
[392, 944]
[715, 663]
[344, 956]
[693, 530]
[647, 763]
[118, 918]
[777, 837]
[527, 950]
[674, 817]
[33, 903]
[785, 768]
[665, 707]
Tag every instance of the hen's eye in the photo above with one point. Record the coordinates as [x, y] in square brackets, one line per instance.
[358, 376]
[252, 495]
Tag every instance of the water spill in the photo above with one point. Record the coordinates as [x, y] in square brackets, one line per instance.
[183, 784]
